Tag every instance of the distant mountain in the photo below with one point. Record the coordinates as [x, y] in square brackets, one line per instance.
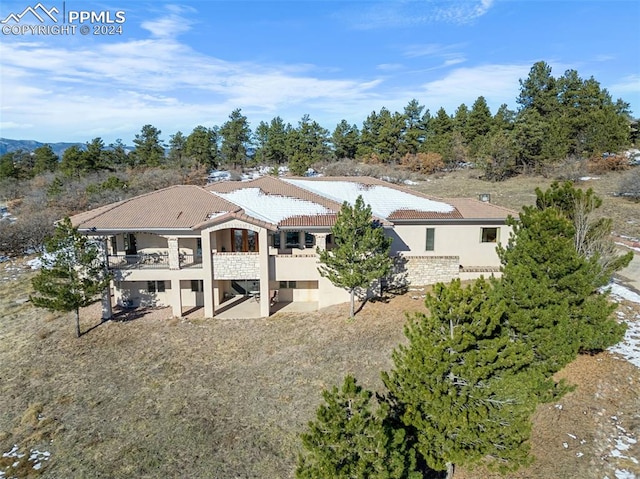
[7, 145]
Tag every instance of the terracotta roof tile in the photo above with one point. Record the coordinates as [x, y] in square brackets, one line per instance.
[173, 207]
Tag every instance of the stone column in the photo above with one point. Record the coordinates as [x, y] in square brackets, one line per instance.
[174, 254]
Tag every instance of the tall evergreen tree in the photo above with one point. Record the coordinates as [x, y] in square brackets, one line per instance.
[235, 135]
[149, 150]
[307, 144]
[479, 125]
[361, 255]
[415, 128]
[462, 383]
[440, 135]
[351, 439]
[45, 160]
[73, 272]
[550, 291]
[345, 140]
[201, 147]
[176, 156]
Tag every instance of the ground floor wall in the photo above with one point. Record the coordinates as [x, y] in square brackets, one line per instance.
[424, 270]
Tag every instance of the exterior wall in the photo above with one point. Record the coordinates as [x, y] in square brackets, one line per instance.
[423, 270]
[236, 265]
[328, 294]
[189, 297]
[293, 267]
[461, 240]
[305, 291]
[137, 294]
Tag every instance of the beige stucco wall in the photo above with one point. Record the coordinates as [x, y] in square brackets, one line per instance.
[293, 267]
[461, 240]
[137, 293]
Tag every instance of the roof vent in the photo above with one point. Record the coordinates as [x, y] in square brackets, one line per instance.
[484, 197]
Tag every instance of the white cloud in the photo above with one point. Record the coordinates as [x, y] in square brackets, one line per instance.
[410, 13]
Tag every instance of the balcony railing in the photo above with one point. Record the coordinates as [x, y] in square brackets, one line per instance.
[138, 261]
[190, 260]
[152, 261]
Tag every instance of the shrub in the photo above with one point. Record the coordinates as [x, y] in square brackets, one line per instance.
[426, 163]
[630, 185]
[604, 164]
[569, 169]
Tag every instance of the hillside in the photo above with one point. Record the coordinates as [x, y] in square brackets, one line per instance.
[147, 395]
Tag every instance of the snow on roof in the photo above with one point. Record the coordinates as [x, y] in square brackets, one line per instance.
[383, 200]
[272, 208]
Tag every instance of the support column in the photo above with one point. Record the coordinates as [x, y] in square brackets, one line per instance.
[263, 247]
[107, 312]
[174, 253]
[301, 239]
[207, 266]
[176, 298]
[321, 240]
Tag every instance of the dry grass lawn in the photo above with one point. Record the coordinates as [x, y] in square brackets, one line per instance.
[207, 398]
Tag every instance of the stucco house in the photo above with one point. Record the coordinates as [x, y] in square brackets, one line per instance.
[192, 246]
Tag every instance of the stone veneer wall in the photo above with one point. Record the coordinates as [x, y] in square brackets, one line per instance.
[424, 270]
[236, 266]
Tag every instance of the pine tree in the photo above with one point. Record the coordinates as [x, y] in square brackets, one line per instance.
[462, 383]
[72, 274]
[361, 255]
[149, 150]
[551, 290]
[350, 439]
[235, 135]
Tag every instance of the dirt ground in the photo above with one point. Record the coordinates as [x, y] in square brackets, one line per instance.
[153, 396]
[149, 396]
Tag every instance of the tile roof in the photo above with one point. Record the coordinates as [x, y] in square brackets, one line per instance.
[273, 202]
[173, 207]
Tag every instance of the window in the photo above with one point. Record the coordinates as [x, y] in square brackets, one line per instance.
[293, 239]
[309, 240]
[244, 241]
[275, 239]
[288, 285]
[489, 235]
[431, 239]
[114, 245]
[197, 285]
[155, 286]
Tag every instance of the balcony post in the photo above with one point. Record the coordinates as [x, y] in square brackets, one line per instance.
[174, 255]
[263, 248]
[207, 265]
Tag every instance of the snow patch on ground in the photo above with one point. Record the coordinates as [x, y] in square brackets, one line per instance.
[35, 457]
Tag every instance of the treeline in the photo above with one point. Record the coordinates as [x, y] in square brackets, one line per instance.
[557, 118]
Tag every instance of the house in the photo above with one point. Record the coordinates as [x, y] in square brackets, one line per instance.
[192, 246]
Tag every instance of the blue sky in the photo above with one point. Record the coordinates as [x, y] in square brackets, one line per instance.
[179, 65]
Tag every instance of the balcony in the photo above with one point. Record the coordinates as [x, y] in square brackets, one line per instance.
[138, 261]
[151, 261]
[190, 260]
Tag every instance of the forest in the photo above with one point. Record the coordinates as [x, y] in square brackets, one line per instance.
[562, 125]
